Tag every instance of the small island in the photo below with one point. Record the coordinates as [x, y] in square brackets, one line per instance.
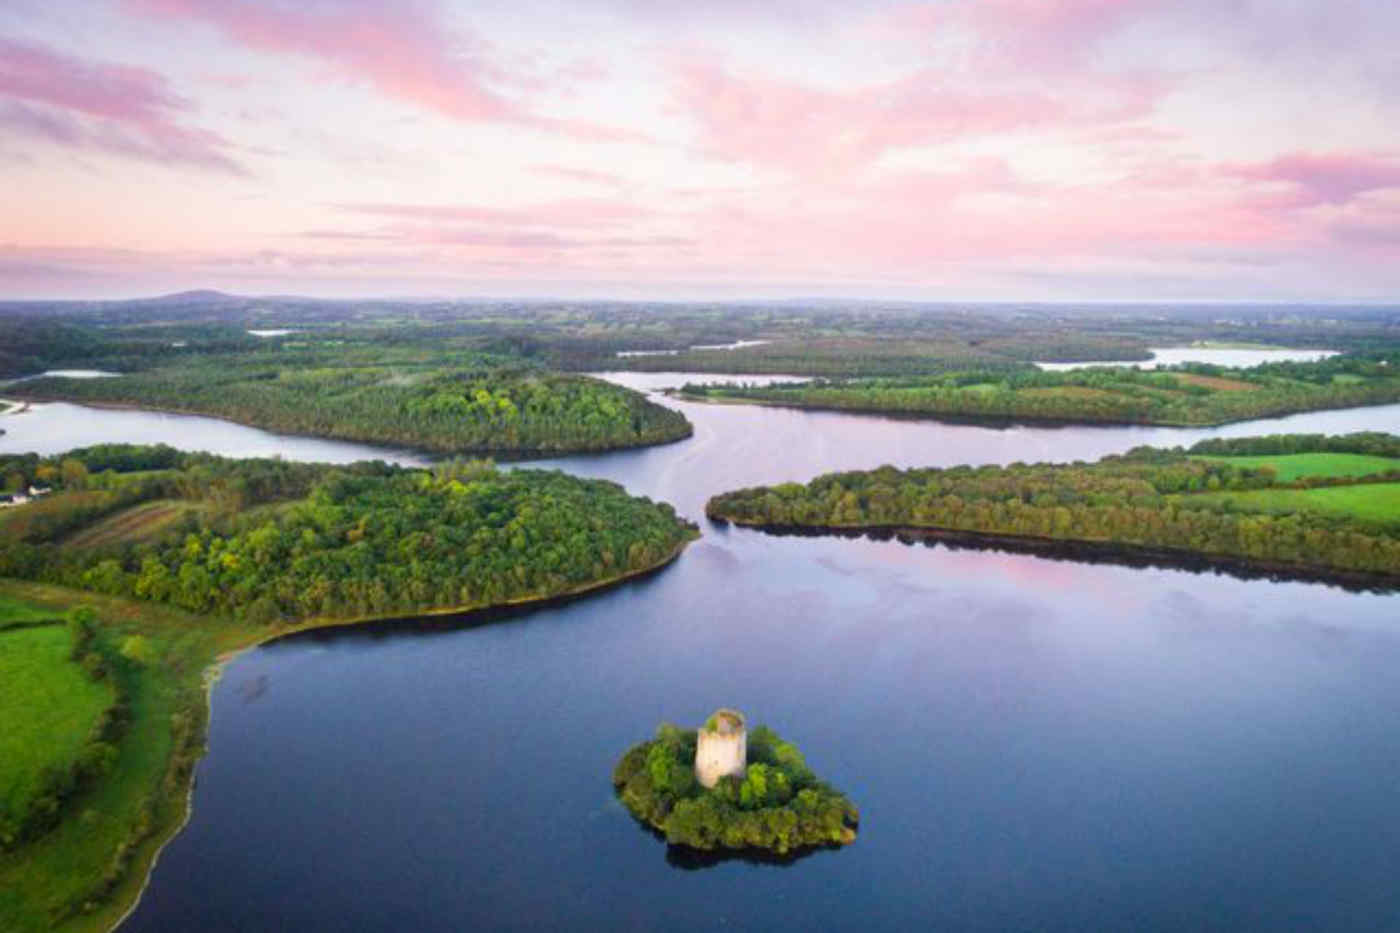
[722, 787]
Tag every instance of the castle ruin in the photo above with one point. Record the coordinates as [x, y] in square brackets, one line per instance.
[721, 747]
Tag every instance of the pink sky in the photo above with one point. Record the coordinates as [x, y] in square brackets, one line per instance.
[1151, 150]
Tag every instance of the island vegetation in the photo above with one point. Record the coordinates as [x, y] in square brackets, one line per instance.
[1189, 394]
[145, 564]
[1292, 503]
[778, 806]
[464, 403]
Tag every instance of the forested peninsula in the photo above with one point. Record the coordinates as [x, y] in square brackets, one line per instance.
[472, 404]
[179, 559]
[1312, 504]
[1192, 394]
[272, 541]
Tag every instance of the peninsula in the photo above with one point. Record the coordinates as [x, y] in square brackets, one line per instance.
[146, 565]
[1191, 394]
[1309, 504]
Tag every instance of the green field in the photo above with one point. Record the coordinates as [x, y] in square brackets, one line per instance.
[48, 879]
[13, 611]
[1290, 467]
[47, 707]
[1371, 501]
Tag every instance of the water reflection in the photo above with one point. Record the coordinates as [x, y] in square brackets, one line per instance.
[1034, 744]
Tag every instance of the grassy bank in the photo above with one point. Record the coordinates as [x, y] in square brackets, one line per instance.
[108, 834]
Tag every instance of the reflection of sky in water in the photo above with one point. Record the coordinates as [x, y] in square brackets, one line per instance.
[1035, 744]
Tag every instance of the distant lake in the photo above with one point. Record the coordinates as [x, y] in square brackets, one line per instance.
[654, 382]
[1171, 356]
[736, 345]
[1034, 744]
[70, 374]
[278, 332]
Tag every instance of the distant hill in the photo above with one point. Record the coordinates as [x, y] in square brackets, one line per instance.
[193, 297]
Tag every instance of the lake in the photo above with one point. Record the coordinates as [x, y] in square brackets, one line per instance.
[1034, 744]
[1217, 356]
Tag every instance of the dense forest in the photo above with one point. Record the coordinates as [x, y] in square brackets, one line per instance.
[482, 405]
[779, 805]
[1188, 394]
[267, 541]
[1193, 501]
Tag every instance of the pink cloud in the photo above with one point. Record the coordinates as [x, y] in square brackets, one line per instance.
[580, 174]
[814, 130]
[112, 107]
[401, 49]
[578, 212]
[1331, 178]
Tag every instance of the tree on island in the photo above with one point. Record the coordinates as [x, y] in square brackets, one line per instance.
[773, 803]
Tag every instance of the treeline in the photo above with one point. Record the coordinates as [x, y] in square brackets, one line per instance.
[486, 409]
[1190, 394]
[1371, 443]
[778, 806]
[295, 541]
[1144, 499]
[60, 783]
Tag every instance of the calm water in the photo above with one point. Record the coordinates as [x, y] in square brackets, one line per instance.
[1170, 356]
[1034, 744]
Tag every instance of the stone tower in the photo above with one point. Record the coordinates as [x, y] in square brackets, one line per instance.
[721, 747]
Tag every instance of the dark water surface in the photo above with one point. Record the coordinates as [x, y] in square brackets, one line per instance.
[1034, 744]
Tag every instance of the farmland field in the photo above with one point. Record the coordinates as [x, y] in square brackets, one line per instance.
[1294, 466]
[47, 706]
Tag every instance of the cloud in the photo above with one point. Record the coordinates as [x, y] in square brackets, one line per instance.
[401, 48]
[811, 130]
[580, 174]
[116, 108]
[588, 212]
[1327, 178]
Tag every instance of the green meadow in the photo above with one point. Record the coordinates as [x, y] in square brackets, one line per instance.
[1290, 467]
[48, 704]
[1376, 502]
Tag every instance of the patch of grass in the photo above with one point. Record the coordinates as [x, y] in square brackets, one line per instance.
[1294, 466]
[1378, 502]
[48, 705]
[39, 879]
[138, 523]
[13, 611]
[1216, 382]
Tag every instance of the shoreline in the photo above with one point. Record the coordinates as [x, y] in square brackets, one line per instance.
[213, 672]
[1009, 421]
[129, 893]
[1083, 550]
